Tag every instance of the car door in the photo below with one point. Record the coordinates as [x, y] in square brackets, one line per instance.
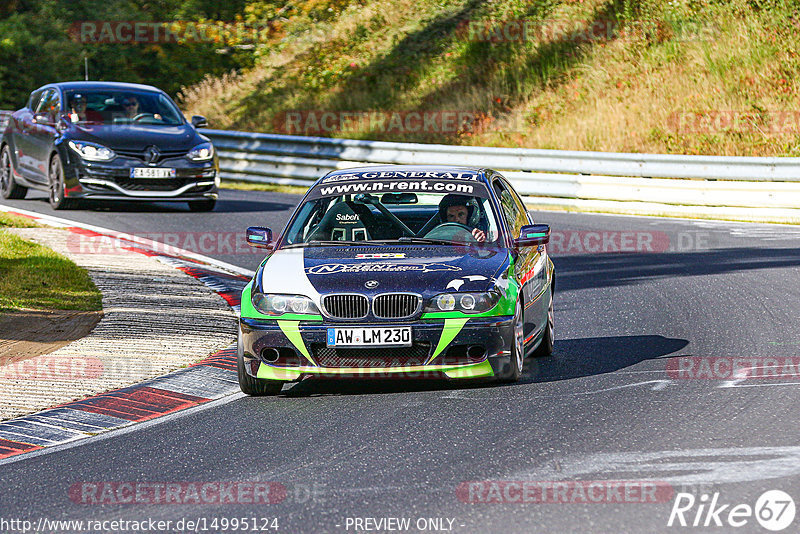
[21, 137]
[43, 134]
[528, 262]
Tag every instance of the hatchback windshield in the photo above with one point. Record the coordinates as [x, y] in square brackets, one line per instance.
[439, 218]
[121, 107]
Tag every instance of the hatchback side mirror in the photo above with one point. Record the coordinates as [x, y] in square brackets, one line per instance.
[259, 237]
[198, 121]
[533, 235]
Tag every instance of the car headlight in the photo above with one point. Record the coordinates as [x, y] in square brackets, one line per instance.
[463, 302]
[92, 151]
[202, 152]
[271, 304]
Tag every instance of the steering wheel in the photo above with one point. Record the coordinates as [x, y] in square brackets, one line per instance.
[142, 116]
[453, 231]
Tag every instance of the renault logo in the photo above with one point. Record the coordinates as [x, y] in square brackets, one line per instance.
[151, 155]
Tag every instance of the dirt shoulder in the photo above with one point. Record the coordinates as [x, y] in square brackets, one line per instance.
[29, 333]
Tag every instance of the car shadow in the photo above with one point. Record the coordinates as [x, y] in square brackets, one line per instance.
[580, 357]
[572, 358]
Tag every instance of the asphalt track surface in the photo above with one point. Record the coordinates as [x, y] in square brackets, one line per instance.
[605, 407]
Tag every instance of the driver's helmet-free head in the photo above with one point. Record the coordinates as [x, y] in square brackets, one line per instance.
[456, 200]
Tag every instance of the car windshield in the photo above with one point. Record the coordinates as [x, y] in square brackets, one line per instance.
[411, 215]
[121, 107]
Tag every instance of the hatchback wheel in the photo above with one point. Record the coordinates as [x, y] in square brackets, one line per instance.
[58, 199]
[8, 187]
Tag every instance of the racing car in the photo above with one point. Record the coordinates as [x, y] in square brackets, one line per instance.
[398, 271]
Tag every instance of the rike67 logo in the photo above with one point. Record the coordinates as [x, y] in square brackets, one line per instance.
[774, 510]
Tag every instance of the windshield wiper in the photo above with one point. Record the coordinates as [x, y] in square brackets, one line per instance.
[428, 240]
[324, 243]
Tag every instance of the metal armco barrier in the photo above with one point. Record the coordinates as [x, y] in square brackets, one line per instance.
[4, 116]
[722, 187]
[744, 188]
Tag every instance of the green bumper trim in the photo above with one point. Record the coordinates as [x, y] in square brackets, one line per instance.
[268, 372]
[291, 329]
[476, 370]
[479, 370]
[450, 330]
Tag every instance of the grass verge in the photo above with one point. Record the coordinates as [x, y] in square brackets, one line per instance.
[257, 186]
[35, 277]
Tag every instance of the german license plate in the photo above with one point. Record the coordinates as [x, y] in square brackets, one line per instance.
[152, 172]
[395, 336]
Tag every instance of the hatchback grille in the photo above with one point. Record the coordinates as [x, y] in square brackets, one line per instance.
[415, 355]
[395, 305]
[346, 306]
[140, 154]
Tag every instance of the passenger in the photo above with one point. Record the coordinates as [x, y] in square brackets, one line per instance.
[79, 112]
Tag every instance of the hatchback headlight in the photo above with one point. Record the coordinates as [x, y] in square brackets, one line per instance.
[92, 151]
[463, 302]
[272, 304]
[202, 152]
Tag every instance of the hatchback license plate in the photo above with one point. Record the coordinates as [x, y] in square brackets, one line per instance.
[152, 172]
[396, 336]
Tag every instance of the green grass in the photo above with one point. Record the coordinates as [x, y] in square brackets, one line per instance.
[619, 94]
[256, 186]
[35, 277]
[15, 221]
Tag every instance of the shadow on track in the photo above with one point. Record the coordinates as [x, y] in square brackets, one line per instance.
[610, 270]
[579, 357]
[573, 358]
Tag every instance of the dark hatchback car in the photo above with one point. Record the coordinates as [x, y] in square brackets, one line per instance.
[107, 141]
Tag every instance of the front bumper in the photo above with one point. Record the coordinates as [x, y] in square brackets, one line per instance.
[112, 181]
[442, 348]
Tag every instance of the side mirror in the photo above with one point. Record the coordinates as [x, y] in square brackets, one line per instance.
[259, 237]
[198, 121]
[533, 235]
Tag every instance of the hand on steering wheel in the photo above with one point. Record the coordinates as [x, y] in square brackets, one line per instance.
[455, 229]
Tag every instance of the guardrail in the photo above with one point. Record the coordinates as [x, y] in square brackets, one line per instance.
[745, 188]
[4, 116]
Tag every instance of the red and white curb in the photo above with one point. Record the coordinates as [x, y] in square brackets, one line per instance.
[210, 379]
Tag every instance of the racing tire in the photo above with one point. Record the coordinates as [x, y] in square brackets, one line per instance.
[545, 348]
[9, 189]
[202, 205]
[56, 195]
[255, 387]
[517, 359]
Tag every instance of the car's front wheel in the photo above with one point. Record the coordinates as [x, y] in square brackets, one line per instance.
[545, 348]
[256, 387]
[58, 198]
[202, 205]
[517, 360]
[8, 187]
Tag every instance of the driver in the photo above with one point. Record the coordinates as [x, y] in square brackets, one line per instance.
[459, 209]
